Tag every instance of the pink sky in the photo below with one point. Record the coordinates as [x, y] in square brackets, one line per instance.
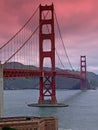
[78, 20]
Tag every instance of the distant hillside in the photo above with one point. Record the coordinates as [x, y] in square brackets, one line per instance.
[30, 83]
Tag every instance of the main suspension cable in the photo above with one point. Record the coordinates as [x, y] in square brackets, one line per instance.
[63, 42]
[59, 59]
[22, 45]
[24, 42]
[20, 29]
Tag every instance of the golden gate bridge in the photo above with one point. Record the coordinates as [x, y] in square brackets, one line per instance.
[37, 44]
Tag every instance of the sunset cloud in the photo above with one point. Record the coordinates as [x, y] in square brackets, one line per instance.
[78, 21]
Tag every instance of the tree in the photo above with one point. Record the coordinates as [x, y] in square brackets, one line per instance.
[8, 128]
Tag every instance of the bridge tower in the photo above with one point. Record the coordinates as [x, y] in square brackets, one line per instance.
[83, 73]
[47, 80]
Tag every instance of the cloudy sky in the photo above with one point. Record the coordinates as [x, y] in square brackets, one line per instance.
[78, 20]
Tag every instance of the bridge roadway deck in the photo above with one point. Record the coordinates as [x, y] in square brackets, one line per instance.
[8, 73]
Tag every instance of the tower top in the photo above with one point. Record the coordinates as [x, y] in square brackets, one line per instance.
[46, 7]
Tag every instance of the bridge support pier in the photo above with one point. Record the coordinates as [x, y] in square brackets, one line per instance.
[1, 90]
[47, 90]
[83, 73]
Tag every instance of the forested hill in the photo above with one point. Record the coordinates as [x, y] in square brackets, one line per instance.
[32, 83]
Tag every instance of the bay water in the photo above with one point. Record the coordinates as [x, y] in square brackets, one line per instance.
[81, 114]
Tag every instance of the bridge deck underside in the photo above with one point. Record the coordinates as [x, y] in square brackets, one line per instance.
[9, 73]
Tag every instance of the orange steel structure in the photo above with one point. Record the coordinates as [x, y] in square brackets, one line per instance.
[83, 72]
[47, 79]
[47, 83]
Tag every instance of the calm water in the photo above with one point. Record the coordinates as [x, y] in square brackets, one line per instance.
[82, 113]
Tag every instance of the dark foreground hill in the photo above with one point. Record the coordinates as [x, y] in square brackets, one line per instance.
[30, 83]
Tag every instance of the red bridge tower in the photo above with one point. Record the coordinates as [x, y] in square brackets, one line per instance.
[83, 73]
[47, 80]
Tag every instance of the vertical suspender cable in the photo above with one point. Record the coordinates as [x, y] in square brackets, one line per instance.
[63, 42]
[20, 29]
